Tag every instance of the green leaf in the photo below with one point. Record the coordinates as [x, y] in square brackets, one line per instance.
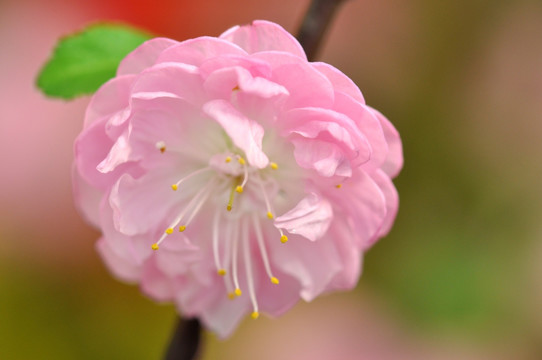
[82, 62]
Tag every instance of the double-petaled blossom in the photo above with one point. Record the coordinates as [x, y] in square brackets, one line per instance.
[231, 176]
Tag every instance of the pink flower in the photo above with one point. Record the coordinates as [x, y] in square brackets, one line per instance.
[256, 176]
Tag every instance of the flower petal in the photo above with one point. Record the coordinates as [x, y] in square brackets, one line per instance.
[110, 99]
[330, 126]
[91, 147]
[313, 264]
[323, 156]
[256, 67]
[121, 266]
[392, 200]
[181, 80]
[367, 122]
[87, 198]
[350, 253]
[310, 218]
[306, 85]
[273, 302]
[119, 154]
[135, 212]
[196, 51]
[364, 204]
[225, 315]
[340, 81]
[144, 56]
[188, 135]
[394, 161]
[263, 35]
[221, 84]
[155, 284]
[245, 133]
[325, 140]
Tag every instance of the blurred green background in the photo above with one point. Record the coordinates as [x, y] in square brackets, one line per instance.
[457, 278]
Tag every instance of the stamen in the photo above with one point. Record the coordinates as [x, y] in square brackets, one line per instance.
[236, 88]
[245, 175]
[241, 160]
[263, 251]
[240, 188]
[248, 269]
[192, 174]
[283, 238]
[266, 199]
[338, 186]
[227, 259]
[205, 192]
[228, 159]
[274, 165]
[230, 201]
[220, 270]
[234, 258]
[161, 145]
[156, 245]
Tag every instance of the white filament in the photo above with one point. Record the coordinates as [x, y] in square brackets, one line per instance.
[235, 244]
[192, 174]
[248, 266]
[265, 198]
[216, 255]
[261, 244]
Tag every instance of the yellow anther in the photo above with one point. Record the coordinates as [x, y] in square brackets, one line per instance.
[255, 315]
[241, 161]
[228, 207]
[221, 272]
[274, 280]
[269, 215]
[274, 166]
[238, 292]
[182, 228]
[283, 239]
[236, 88]
[338, 186]
[163, 149]
[174, 187]
[228, 159]
[239, 189]
[169, 231]
[231, 296]
[154, 246]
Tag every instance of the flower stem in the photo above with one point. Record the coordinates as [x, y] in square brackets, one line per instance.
[186, 341]
[315, 23]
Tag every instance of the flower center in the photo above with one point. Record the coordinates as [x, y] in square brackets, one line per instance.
[247, 190]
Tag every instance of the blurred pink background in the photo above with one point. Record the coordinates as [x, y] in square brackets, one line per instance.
[459, 277]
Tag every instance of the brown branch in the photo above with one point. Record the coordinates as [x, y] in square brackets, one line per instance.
[185, 342]
[315, 24]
